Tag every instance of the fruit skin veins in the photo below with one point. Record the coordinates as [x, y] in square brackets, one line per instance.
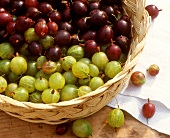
[4, 67]
[59, 81]
[50, 96]
[138, 78]
[41, 84]
[100, 60]
[94, 71]
[95, 83]
[35, 97]
[10, 88]
[27, 82]
[84, 90]
[31, 68]
[7, 51]
[18, 65]
[21, 94]
[76, 51]
[68, 92]
[80, 70]
[68, 62]
[116, 118]
[112, 69]
[82, 128]
[49, 67]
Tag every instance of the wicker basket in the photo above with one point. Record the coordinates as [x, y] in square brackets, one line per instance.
[88, 104]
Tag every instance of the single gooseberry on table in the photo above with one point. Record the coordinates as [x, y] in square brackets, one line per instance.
[82, 128]
[153, 11]
[153, 69]
[116, 118]
[138, 78]
[148, 110]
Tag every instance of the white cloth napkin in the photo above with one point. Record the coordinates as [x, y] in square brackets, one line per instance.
[157, 88]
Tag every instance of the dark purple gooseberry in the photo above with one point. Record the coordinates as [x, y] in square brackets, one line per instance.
[94, 5]
[123, 42]
[61, 129]
[18, 6]
[111, 13]
[113, 52]
[98, 18]
[33, 13]
[122, 27]
[16, 40]
[10, 28]
[45, 7]
[105, 34]
[81, 23]
[66, 26]
[23, 23]
[79, 8]
[5, 18]
[67, 15]
[35, 48]
[90, 47]
[53, 53]
[55, 16]
[89, 35]
[62, 38]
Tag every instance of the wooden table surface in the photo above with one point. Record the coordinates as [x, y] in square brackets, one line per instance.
[11, 127]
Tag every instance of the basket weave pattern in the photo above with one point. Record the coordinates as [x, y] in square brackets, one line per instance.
[88, 104]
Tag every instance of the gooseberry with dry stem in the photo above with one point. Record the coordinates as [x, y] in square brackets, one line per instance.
[153, 69]
[148, 110]
[153, 11]
[116, 118]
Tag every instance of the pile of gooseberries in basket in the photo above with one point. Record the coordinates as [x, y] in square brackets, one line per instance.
[54, 50]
